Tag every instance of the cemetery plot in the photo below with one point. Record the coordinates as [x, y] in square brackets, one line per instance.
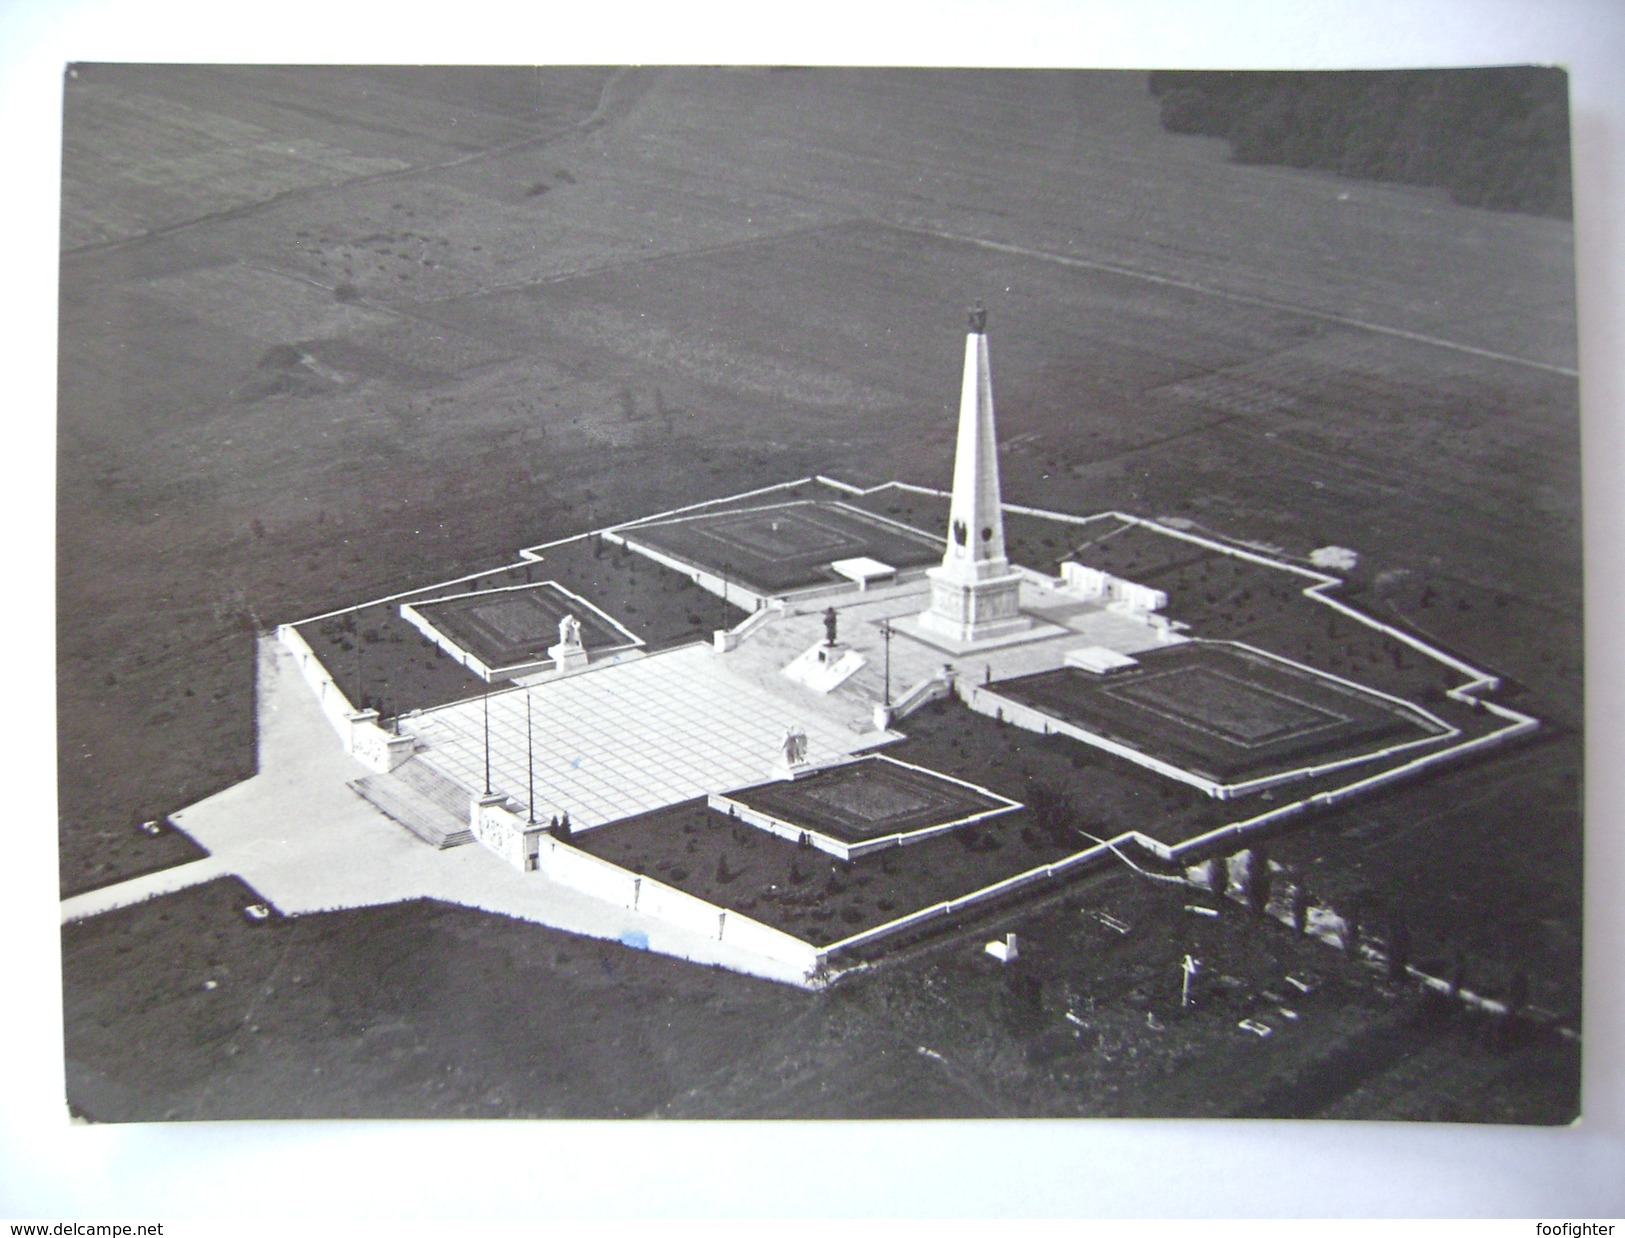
[787, 546]
[508, 627]
[1225, 712]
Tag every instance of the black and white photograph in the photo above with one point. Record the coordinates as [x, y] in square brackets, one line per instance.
[821, 593]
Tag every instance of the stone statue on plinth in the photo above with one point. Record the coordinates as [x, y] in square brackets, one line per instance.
[568, 654]
[829, 626]
[793, 754]
[795, 746]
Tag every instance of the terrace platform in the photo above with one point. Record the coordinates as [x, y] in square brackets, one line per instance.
[507, 632]
[1220, 716]
[862, 806]
[784, 548]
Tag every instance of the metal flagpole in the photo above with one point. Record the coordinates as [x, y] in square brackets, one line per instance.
[530, 760]
[360, 664]
[885, 630]
[487, 700]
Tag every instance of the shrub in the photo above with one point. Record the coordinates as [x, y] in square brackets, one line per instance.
[1399, 947]
[1300, 908]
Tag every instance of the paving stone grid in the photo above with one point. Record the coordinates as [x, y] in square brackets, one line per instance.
[624, 739]
[786, 546]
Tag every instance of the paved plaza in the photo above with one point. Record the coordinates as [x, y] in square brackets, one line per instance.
[299, 836]
[624, 739]
[1076, 623]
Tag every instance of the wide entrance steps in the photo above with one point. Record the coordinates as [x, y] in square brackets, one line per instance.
[422, 799]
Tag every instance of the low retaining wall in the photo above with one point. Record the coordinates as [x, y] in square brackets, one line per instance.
[468, 661]
[590, 875]
[601, 879]
[472, 661]
[791, 832]
[1091, 582]
[1239, 830]
[935, 687]
[989, 703]
[939, 911]
[725, 640]
[731, 590]
[358, 730]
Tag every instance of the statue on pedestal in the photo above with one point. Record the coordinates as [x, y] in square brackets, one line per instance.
[568, 654]
[829, 626]
[795, 747]
[570, 632]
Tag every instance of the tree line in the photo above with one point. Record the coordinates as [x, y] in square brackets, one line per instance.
[1496, 137]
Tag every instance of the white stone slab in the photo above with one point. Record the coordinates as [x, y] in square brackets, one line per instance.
[824, 669]
[863, 570]
[1098, 659]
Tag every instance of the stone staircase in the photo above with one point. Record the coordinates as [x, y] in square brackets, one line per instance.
[422, 799]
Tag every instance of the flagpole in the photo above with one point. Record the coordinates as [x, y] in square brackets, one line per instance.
[530, 761]
[487, 702]
[885, 628]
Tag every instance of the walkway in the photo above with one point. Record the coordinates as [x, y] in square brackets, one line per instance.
[140, 889]
[307, 843]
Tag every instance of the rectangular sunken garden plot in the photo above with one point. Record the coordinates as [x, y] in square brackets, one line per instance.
[1225, 714]
[862, 806]
[820, 898]
[787, 546]
[510, 629]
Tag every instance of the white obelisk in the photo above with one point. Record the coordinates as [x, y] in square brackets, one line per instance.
[975, 596]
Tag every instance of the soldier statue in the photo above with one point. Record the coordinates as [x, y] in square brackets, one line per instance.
[795, 746]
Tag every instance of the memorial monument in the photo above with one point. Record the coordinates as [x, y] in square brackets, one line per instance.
[975, 594]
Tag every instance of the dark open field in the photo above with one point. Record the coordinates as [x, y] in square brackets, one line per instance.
[424, 1009]
[400, 352]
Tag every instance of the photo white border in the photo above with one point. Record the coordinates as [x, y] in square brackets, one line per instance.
[1097, 1169]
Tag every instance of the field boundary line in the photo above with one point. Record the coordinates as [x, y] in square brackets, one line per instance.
[1242, 298]
[243, 209]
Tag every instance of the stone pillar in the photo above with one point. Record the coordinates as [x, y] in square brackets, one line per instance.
[359, 721]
